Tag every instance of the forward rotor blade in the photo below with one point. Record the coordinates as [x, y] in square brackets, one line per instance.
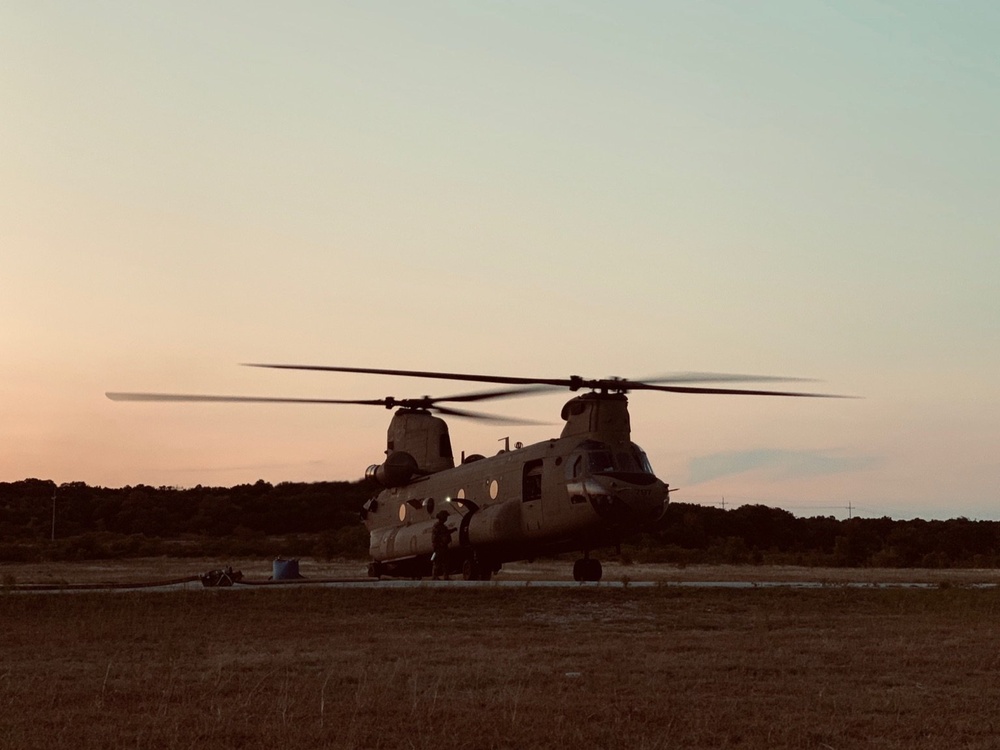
[502, 379]
[573, 383]
[730, 391]
[720, 377]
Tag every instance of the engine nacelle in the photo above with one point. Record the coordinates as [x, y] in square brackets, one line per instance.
[397, 470]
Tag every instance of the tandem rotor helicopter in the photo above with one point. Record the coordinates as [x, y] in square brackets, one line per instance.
[584, 490]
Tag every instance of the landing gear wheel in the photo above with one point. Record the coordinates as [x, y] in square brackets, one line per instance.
[474, 570]
[595, 570]
[587, 569]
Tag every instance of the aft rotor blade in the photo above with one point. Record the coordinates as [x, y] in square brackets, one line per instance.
[465, 414]
[389, 402]
[184, 397]
[487, 395]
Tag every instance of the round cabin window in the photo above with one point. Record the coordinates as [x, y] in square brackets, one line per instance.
[402, 512]
[494, 489]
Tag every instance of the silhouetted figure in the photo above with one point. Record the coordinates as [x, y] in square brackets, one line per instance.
[440, 539]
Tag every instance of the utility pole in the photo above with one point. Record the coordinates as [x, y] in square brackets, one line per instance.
[54, 493]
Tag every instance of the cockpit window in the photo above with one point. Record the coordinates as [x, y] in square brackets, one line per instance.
[601, 458]
[626, 461]
[600, 462]
[640, 455]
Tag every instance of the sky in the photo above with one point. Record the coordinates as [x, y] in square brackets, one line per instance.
[633, 189]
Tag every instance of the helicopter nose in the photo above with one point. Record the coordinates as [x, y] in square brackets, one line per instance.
[628, 502]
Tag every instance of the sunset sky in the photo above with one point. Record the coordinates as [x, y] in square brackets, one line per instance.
[522, 188]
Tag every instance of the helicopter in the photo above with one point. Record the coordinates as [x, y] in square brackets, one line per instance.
[587, 489]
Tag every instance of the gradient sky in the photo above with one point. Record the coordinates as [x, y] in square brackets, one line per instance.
[524, 188]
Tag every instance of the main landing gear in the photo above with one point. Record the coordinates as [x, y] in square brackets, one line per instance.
[474, 569]
[587, 569]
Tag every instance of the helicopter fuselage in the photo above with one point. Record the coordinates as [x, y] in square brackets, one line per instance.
[586, 489]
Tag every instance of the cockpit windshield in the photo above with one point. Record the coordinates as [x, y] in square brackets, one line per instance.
[600, 462]
[640, 456]
[628, 459]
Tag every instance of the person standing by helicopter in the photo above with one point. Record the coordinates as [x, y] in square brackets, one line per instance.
[440, 540]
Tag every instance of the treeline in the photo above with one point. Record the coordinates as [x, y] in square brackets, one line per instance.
[321, 519]
[757, 534]
[290, 518]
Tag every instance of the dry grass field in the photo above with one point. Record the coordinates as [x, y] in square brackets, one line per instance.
[161, 568]
[460, 667]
